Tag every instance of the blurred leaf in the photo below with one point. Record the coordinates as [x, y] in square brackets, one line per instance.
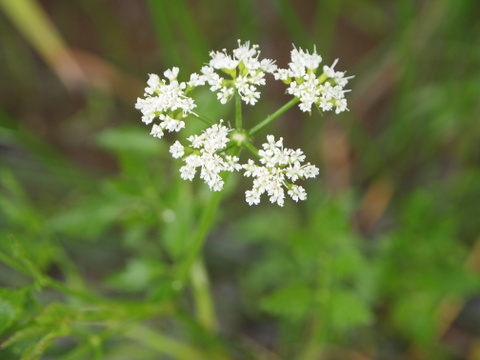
[89, 219]
[178, 220]
[415, 315]
[55, 321]
[11, 307]
[137, 275]
[293, 302]
[347, 310]
[260, 226]
[15, 204]
[130, 139]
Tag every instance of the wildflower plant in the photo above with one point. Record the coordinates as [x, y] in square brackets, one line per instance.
[168, 105]
[213, 154]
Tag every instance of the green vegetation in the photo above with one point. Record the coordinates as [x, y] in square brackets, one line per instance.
[382, 261]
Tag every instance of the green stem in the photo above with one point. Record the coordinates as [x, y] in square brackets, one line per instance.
[201, 292]
[192, 265]
[251, 148]
[162, 344]
[238, 111]
[272, 117]
[322, 78]
[204, 119]
[200, 236]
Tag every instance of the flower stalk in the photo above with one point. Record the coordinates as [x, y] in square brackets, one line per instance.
[273, 117]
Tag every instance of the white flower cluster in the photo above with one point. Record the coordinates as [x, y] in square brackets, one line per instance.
[207, 155]
[324, 90]
[167, 101]
[242, 72]
[281, 167]
[246, 72]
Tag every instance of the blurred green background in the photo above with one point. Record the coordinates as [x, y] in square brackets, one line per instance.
[383, 259]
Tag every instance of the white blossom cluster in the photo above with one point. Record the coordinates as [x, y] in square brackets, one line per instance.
[167, 101]
[281, 167]
[326, 90]
[208, 156]
[167, 104]
[246, 72]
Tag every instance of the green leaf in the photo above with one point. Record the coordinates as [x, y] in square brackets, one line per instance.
[129, 139]
[36, 349]
[137, 275]
[11, 307]
[415, 316]
[54, 321]
[89, 219]
[294, 301]
[347, 310]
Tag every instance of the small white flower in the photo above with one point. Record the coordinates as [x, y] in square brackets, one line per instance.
[196, 80]
[249, 95]
[212, 78]
[208, 156]
[167, 101]
[171, 74]
[341, 105]
[148, 107]
[297, 193]
[282, 74]
[244, 52]
[156, 131]
[324, 90]
[244, 68]
[224, 94]
[252, 197]
[268, 65]
[153, 83]
[171, 124]
[281, 167]
[177, 150]
[241, 83]
[221, 60]
[187, 172]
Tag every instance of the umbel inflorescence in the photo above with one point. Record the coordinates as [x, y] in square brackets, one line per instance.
[215, 152]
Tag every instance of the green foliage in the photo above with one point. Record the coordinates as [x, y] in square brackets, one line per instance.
[98, 234]
[11, 307]
[315, 276]
[53, 322]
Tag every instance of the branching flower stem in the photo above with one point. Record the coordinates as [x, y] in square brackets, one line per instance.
[272, 117]
[204, 119]
[249, 146]
[238, 112]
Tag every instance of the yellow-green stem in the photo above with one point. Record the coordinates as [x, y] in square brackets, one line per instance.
[199, 237]
[272, 117]
[238, 111]
[205, 310]
[204, 119]
[193, 263]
